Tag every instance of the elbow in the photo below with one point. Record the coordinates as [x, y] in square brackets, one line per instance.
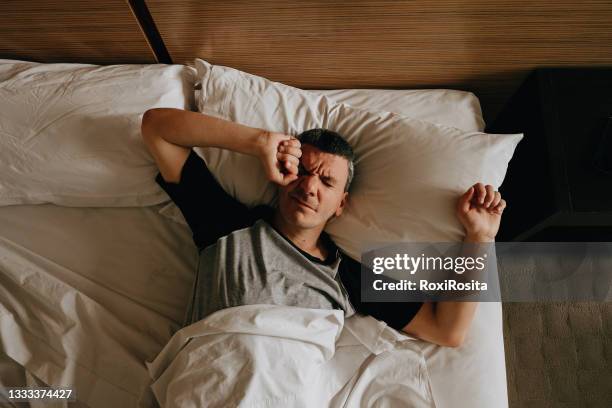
[154, 121]
[146, 126]
[426, 325]
[444, 338]
[453, 339]
[157, 121]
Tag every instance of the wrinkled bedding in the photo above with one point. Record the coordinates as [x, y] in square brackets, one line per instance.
[270, 356]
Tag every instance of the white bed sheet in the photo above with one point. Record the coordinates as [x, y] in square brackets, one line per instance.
[111, 284]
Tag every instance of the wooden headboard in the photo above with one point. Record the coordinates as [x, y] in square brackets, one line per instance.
[483, 46]
[96, 32]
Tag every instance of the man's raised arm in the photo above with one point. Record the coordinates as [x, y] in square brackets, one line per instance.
[446, 323]
[170, 133]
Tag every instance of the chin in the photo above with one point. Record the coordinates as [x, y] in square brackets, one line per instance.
[301, 220]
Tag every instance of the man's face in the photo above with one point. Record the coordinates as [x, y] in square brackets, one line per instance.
[318, 193]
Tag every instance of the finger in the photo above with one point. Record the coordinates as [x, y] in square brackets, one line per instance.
[291, 167]
[280, 180]
[464, 200]
[282, 171]
[275, 174]
[295, 151]
[481, 192]
[496, 200]
[285, 157]
[490, 195]
[499, 208]
[289, 178]
[292, 142]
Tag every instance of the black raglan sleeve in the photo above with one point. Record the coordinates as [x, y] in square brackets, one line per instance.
[210, 212]
[395, 314]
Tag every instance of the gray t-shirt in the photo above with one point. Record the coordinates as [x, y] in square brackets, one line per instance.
[259, 265]
[256, 265]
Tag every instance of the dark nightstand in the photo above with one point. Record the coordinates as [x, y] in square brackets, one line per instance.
[559, 182]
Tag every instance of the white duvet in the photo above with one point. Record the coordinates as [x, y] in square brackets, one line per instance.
[273, 356]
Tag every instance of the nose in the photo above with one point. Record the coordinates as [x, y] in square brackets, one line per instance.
[308, 184]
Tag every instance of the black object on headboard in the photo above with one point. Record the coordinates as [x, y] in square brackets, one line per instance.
[603, 154]
[149, 29]
[559, 183]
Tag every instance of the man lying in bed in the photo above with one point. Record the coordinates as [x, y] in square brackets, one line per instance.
[282, 255]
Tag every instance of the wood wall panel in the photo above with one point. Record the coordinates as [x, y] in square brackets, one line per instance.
[484, 46]
[97, 32]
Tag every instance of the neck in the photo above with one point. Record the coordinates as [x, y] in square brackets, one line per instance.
[307, 239]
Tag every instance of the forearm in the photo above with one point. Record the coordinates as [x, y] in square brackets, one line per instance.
[456, 317]
[447, 322]
[189, 129]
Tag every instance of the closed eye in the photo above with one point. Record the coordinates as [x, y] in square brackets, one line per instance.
[302, 171]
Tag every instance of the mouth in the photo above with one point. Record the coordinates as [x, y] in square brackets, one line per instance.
[302, 203]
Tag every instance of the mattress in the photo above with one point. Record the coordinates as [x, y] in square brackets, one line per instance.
[87, 295]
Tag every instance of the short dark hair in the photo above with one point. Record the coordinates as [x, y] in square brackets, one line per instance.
[331, 142]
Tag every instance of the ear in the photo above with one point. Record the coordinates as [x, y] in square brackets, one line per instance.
[342, 204]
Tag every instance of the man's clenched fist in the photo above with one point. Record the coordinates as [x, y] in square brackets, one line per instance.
[280, 156]
[480, 209]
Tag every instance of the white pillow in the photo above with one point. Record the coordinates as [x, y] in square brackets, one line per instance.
[448, 107]
[408, 173]
[70, 133]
